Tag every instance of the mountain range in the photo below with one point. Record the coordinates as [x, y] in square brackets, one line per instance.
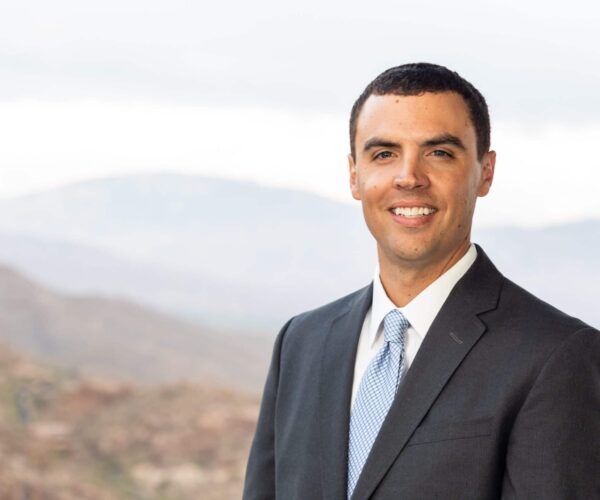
[243, 257]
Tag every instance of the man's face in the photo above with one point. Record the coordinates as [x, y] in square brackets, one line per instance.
[417, 174]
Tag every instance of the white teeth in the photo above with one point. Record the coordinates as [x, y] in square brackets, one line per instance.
[413, 211]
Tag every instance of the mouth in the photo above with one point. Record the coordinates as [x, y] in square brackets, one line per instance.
[413, 212]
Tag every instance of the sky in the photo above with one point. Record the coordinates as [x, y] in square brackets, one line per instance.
[261, 91]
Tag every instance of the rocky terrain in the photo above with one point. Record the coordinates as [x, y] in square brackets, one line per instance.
[68, 437]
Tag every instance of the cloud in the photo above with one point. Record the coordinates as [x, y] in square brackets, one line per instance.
[262, 90]
[543, 175]
[531, 59]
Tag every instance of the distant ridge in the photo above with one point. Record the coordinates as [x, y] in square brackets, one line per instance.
[260, 245]
[239, 255]
[122, 339]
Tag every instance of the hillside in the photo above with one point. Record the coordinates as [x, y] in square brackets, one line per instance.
[64, 437]
[239, 254]
[122, 339]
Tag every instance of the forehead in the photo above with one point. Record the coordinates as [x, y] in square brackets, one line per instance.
[415, 117]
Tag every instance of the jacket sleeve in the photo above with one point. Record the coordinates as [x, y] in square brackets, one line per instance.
[260, 472]
[554, 446]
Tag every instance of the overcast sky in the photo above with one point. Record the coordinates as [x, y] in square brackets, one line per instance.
[262, 90]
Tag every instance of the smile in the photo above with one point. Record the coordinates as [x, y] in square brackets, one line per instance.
[413, 211]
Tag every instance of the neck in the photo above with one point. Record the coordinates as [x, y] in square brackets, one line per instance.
[404, 281]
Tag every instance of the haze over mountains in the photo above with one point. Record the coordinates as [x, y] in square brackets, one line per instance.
[221, 251]
[111, 337]
[243, 256]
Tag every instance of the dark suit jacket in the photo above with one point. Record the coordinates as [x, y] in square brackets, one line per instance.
[501, 401]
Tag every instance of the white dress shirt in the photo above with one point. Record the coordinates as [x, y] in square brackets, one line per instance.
[420, 313]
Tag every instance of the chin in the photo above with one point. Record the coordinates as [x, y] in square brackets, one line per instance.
[405, 254]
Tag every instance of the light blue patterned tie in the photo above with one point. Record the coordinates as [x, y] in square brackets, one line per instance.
[375, 394]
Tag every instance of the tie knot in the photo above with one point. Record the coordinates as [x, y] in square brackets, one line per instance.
[394, 327]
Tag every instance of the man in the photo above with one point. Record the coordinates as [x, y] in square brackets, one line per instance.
[441, 379]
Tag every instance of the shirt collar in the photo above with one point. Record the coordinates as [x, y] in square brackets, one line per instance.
[422, 310]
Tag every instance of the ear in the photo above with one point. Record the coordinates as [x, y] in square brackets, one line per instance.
[488, 164]
[353, 178]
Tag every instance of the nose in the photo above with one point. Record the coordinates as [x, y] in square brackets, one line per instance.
[410, 173]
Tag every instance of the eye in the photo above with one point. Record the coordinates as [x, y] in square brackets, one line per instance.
[441, 153]
[383, 155]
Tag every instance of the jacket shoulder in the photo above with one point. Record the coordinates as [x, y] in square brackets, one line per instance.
[526, 308]
[310, 326]
[335, 308]
[301, 339]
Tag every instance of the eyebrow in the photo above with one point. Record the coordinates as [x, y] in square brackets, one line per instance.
[444, 139]
[438, 140]
[377, 142]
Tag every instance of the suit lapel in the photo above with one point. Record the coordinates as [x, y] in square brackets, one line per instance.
[337, 372]
[453, 333]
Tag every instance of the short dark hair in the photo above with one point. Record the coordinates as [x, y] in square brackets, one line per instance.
[419, 78]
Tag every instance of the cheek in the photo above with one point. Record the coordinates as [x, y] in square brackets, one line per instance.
[375, 186]
[467, 203]
[373, 190]
[462, 195]
[374, 179]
